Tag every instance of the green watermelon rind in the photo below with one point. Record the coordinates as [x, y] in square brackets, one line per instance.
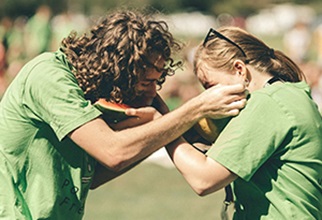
[111, 114]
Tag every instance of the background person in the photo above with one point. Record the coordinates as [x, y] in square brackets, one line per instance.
[38, 32]
[297, 41]
[271, 151]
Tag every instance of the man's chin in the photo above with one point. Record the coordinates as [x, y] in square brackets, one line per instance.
[141, 101]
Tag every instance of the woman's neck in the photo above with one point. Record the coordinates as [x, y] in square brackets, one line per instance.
[258, 79]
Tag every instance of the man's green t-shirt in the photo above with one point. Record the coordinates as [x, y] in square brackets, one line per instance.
[43, 173]
[275, 147]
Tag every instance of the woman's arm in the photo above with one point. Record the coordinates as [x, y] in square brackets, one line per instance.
[202, 173]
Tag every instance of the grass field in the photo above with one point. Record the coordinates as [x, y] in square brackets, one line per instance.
[151, 192]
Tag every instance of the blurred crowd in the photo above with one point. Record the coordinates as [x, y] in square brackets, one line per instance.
[23, 38]
[303, 44]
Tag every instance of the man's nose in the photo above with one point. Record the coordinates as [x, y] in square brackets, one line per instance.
[152, 90]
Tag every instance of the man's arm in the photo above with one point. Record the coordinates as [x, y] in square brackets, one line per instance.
[119, 149]
[103, 175]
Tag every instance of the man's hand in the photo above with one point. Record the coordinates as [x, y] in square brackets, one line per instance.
[222, 101]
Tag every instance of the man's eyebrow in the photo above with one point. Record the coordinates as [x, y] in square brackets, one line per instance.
[150, 79]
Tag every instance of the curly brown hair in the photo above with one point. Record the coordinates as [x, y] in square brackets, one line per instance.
[109, 62]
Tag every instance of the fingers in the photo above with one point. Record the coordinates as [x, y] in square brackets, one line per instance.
[139, 112]
[233, 98]
[236, 88]
[144, 113]
[239, 104]
[234, 108]
[139, 116]
[223, 101]
[131, 112]
[235, 92]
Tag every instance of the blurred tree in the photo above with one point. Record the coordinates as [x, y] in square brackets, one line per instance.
[201, 5]
[166, 6]
[14, 8]
[240, 8]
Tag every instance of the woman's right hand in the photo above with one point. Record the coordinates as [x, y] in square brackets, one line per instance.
[138, 117]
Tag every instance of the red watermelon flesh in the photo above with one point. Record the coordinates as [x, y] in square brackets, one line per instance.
[112, 112]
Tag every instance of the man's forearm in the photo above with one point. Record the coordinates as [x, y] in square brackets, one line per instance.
[103, 175]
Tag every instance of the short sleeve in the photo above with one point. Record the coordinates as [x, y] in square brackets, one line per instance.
[52, 96]
[252, 137]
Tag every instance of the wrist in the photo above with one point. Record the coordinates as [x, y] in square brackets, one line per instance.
[195, 109]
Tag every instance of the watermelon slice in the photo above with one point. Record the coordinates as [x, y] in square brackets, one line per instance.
[210, 129]
[112, 112]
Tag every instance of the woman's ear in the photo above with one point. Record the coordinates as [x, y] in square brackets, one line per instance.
[241, 70]
[240, 67]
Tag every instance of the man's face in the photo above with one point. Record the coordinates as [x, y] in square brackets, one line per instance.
[146, 88]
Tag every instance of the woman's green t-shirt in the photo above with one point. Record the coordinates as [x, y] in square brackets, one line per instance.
[275, 147]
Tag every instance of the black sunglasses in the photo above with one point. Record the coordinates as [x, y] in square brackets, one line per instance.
[212, 33]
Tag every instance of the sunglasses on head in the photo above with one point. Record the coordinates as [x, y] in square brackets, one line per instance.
[212, 33]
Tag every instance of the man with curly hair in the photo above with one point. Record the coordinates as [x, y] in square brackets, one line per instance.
[54, 144]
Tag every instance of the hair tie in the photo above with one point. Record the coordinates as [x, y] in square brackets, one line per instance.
[271, 53]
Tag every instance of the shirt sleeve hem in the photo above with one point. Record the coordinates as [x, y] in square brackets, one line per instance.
[64, 131]
[232, 166]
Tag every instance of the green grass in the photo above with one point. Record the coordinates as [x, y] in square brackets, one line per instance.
[151, 192]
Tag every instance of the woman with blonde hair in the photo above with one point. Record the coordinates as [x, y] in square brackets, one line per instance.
[272, 151]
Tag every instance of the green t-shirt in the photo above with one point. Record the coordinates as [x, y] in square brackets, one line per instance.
[275, 147]
[43, 174]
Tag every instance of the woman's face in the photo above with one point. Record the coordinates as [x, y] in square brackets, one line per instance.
[211, 77]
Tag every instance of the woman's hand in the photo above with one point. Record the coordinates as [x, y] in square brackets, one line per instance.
[142, 115]
[138, 117]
